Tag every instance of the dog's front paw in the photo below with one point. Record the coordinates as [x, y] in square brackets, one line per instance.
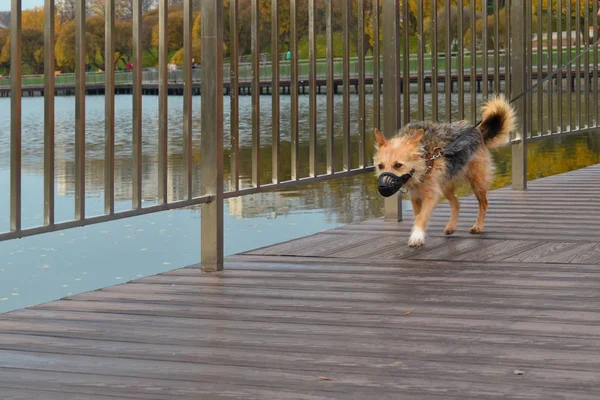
[450, 229]
[476, 230]
[417, 238]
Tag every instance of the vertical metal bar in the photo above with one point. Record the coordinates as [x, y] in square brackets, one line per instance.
[507, 47]
[529, 64]
[48, 112]
[376, 69]
[275, 90]
[550, 69]
[497, 46]
[518, 16]
[294, 92]
[235, 93]
[136, 198]
[163, 90]
[312, 82]
[595, 72]
[109, 108]
[406, 63]
[434, 63]
[187, 97]
[421, 66]
[391, 94]
[346, 11]
[80, 109]
[212, 134]
[559, 62]
[15, 120]
[578, 63]
[330, 89]
[539, 74]
[362, 150]
[484, 39]
[459, 62]
[586, 62]
[473, 77]
[569, 70]
[448, 63]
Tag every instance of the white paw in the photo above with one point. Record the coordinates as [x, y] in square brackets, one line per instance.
[417, 238]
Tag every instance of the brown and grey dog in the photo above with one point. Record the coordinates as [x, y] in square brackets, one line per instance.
[431, 159]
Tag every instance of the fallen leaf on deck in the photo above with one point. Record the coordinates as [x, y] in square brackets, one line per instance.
[406, 314]
[324, 378]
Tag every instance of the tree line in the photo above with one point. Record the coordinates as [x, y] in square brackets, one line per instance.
[64, 45]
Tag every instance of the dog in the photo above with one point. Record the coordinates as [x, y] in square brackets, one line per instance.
[431, 159]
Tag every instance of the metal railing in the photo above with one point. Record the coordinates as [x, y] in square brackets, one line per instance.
[509, 69]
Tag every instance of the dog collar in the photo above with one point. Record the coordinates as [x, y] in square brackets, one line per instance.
[430, 159]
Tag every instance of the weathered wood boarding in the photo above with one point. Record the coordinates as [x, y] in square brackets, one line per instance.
[349, 313]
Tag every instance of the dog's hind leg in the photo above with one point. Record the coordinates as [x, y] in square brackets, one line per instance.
[454, 210]
[483, 206]
[480, 174]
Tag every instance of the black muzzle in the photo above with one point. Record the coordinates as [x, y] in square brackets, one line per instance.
[388, 183]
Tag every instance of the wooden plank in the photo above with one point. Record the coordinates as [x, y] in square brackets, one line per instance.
[60, 385]
[9, 393]
[310, 264]
[269, 355]
[502, 324]
[469, 378]
[161, 306]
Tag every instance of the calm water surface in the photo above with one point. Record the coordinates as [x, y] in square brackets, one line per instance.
[50, 266]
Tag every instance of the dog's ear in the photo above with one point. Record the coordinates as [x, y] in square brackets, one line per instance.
[381, 140]
[416, 137]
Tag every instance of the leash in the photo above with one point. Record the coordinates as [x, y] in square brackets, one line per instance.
[550, 76]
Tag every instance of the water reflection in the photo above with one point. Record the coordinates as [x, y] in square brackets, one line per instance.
[50, 266]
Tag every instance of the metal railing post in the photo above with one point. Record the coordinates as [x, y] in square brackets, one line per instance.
[391, 92]
[212, 134]
[518, 76]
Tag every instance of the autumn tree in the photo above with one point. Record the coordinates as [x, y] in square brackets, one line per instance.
[4, 50]
[174, 32]
[196, 43]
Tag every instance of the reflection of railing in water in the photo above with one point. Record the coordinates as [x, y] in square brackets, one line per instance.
[520, 63]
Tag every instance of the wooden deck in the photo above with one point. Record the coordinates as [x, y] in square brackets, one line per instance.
[349, 313]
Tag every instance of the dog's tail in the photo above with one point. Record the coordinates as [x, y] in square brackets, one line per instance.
[498, 119]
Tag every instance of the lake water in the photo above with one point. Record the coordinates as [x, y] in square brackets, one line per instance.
[50, 266]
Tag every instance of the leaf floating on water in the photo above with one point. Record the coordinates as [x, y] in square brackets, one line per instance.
[14, 294]
[166, 263]
[406, 314]
[324, 378]
[4, 299]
